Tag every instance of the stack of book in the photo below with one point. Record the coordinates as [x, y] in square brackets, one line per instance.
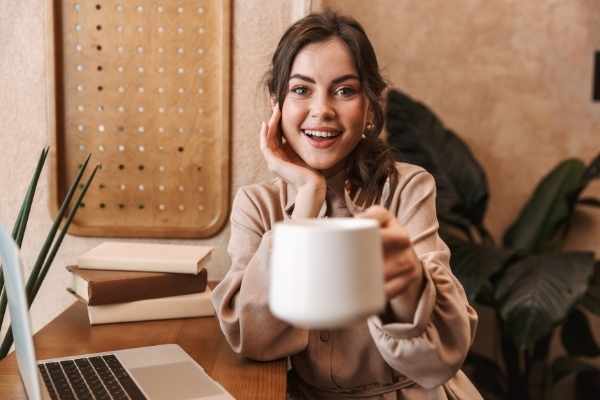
[122, 281]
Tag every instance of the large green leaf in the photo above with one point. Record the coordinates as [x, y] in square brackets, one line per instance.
[537, 292]
[418, 137]
[577, 337]
[548, 211]
[591, 172]
[565, 366]
[591, 300]
[486, 375]
[474, 264]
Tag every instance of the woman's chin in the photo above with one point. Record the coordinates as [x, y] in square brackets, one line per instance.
[325, 167]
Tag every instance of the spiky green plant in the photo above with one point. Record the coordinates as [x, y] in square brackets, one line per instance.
[51, 244]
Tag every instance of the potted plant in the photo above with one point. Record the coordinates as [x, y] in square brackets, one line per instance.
[51, 244]
[532, 285]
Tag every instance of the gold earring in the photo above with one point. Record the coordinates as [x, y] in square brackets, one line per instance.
[370, 126]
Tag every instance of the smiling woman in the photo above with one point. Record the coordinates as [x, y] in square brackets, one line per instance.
[322, 144]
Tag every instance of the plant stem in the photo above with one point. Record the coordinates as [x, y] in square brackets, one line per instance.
[510, 355]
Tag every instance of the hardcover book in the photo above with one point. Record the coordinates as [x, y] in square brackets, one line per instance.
[184, 306]
[98, 287]
[131, 256]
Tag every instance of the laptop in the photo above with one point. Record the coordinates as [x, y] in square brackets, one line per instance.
[154, 372]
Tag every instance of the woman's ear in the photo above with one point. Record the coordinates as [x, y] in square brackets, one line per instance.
[273, 101]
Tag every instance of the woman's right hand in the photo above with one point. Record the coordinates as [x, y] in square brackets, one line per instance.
[281, 158]
[284, 161]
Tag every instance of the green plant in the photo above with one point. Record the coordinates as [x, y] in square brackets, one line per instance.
[52, 242]
[531, 284]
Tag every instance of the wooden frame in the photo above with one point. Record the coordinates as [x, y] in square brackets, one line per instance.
[145, 88]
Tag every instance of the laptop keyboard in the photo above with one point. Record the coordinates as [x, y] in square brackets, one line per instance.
[89, 378]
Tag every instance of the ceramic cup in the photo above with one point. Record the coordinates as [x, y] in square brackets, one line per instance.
[326, 273]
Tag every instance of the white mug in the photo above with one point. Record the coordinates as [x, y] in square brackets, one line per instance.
[326, 273]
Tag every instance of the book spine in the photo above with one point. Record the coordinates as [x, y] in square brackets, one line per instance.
[149, 287]
[140, 265]
[185, 306]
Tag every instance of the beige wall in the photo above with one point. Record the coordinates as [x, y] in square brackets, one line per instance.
[257, 26]
[513, 78]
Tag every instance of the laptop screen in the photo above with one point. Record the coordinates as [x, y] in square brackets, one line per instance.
[12, 268]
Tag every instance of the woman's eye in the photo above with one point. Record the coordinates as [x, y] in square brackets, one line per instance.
[300, 90]
[345, 91]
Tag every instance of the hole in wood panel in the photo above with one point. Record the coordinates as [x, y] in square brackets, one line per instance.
[98, 27]
[141, 167]
[98, 7]
[141, 206]
[102, 205]
[121, 205]
[121, 166]
[180, 149]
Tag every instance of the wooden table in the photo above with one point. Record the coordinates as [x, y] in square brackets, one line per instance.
[70, 334]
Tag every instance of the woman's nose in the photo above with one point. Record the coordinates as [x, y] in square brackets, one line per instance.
[322, 108]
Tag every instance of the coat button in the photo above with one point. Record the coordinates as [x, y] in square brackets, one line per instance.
[324, 336]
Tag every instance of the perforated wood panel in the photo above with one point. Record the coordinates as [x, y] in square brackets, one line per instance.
[143, 86]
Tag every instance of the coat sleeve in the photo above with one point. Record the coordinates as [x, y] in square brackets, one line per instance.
[241, 298]
[431, 348]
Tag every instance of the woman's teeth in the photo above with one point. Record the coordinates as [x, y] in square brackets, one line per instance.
[321, 134]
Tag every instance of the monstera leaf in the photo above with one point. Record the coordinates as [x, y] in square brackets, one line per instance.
[577, 336]
[548, 211]
[475, 264]
[591, 300]
[418, 137]
[592, 172]
[537, 292]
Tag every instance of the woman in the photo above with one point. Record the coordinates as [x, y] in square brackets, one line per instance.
[322, 143]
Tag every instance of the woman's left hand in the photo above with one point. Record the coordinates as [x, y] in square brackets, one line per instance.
[403, 271]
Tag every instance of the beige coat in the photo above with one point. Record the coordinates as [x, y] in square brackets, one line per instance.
[416, 360]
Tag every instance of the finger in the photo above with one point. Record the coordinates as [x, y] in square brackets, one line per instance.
[396, 287]
[273, 128]
[378, 213]
[397, 269]
[395, 239]
[263, 136]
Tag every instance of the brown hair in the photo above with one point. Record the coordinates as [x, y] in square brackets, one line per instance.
[371, 162]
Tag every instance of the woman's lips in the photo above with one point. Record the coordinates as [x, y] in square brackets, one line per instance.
[321, 142]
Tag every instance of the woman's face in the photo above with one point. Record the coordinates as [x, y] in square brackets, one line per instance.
[325, 110]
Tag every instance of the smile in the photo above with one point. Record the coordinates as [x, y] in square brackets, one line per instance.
[321, 134]
[321, 139]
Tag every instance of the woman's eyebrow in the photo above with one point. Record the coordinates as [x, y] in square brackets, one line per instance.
[335, 81]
